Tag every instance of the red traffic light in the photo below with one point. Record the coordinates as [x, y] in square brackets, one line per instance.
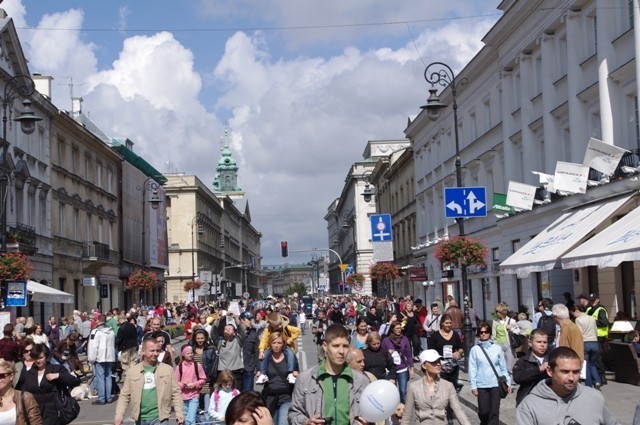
[284, 248]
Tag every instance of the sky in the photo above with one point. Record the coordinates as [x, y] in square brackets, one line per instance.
[301, 86]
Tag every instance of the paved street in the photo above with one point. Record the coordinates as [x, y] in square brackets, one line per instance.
[621, 398]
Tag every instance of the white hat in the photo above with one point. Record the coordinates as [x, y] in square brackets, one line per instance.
[429, 356]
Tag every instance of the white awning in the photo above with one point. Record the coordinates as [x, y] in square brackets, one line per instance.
[44, 293]
[542, 252]
[617, 243]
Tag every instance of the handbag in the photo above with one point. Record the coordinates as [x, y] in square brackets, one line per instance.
[212, 375]
[67, 406]
[502, 380]
[515, 340]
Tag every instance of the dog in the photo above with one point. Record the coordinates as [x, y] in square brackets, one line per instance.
[397, 415]
[81, 392]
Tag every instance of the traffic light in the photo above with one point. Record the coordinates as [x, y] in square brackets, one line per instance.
[284, 248]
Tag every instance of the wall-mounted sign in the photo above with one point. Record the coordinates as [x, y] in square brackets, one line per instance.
[16, 294]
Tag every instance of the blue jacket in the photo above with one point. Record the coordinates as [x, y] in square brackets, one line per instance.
[480, 372]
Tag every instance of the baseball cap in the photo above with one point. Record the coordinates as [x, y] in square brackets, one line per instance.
[593, 296]
[583, 296]
[429, 356]
[246, 315]
[418, 301]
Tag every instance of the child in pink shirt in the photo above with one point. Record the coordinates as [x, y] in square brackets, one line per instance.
[191, 378]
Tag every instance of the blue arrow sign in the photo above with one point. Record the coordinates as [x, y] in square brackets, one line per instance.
[381, 228]
[465, 202]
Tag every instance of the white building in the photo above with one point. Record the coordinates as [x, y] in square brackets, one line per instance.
[552, 74]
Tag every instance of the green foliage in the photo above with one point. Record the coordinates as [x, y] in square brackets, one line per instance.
[298, 287]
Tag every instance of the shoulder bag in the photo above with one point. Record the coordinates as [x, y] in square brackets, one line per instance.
[502, 380]
[515, 340]
[67, 406]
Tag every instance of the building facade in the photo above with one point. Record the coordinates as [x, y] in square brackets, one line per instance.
[551, 75]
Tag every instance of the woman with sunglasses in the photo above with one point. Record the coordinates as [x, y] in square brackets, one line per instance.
[42, 379]
[482, 379]
[25, 361]
[16, 407]
[429, 398]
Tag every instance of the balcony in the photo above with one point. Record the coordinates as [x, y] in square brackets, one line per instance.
[96, 251]
[21, 237]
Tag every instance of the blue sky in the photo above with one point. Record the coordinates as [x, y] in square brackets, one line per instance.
[302, 85]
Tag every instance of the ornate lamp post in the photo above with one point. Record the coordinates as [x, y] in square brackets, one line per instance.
[194, 221]
[149, 185]
[18, 86]
[438, 73]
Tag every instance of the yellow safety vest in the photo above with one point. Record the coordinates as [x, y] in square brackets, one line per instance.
[603, 331]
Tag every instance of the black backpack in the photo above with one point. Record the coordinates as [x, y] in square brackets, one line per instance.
[548, 325]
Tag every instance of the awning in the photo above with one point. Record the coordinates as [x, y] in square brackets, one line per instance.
[617, 243]
[44, 293]
[542, 252]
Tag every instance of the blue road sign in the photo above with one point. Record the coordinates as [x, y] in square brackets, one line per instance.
[465, 202]
[381, 228]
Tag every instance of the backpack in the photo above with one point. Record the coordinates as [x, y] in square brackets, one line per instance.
[547, 324]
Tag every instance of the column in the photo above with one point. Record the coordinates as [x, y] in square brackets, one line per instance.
[577, 113]
[507, 125]
[605, 21]
[552, 147]
[528, 142]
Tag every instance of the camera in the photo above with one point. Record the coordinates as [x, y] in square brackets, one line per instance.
[327, 421]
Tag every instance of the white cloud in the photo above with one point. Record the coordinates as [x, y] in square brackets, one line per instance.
[298, 121]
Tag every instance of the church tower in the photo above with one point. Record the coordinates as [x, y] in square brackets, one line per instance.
[225, 182]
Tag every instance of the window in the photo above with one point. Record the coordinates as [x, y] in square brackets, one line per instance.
[61, 221]
[87, 161]
[99, 175]
[74, 160]
[538, 75]
[88, 233]
[32, 209]
[61, 152]
[100, 230]
[76, 220]
[109, 180]
[515, 245]
[495, 254]
[487, 114]
[42, 145]
[562, 57]
[473, 131]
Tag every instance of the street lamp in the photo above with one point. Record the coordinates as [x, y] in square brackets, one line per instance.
[149, 185]
[440, 73]
[194, 221]
[18, 86]
[368, 192]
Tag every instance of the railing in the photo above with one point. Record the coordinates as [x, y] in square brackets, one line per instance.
[24, 236]
[98, 251]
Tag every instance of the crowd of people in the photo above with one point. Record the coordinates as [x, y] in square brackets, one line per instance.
[232, 347]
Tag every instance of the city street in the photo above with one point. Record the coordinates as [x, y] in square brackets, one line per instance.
[621, 398]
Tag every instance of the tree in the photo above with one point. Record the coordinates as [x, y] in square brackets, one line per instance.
[298, 287]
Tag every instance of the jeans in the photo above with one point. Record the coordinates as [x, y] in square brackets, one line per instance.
[489, 406]
[205, 399]
[402, 379]
[280, 417]
[247, 381]
[592, 356]
[289, 355]
[191, 411]
[155, 421]
[102, 374]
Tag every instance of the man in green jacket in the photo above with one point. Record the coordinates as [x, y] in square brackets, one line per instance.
[331, 389]
[150, 388]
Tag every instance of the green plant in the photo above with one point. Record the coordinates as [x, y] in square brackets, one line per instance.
[355, 278]
[142, 279]
[192, 284]
[384, 271]
[14, 266]
[298, 287]
[461, 251]
[174, 330]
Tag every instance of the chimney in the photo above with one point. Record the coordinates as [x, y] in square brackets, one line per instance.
[76, 106]
[43, 84]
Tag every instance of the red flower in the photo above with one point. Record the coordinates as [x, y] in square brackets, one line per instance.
[461, 251]
[192, 284]
[14, 266]
[142, 279]
[385, 270]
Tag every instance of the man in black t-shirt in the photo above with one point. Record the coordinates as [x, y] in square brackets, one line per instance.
[319, 327]
[156, 323]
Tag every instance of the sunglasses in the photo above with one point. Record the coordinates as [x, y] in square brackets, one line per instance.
[4, 375]
[435, 363]
[484, 332]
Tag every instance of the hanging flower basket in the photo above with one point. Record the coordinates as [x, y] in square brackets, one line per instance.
[142, 279]
[355, 278]
[192, 284]
[384, 271]
[14, 266]
[461, 251]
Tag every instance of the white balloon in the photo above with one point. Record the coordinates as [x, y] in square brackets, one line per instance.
[379, 400]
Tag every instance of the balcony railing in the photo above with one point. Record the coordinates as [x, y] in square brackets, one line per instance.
[96, 251]
[23, 236]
